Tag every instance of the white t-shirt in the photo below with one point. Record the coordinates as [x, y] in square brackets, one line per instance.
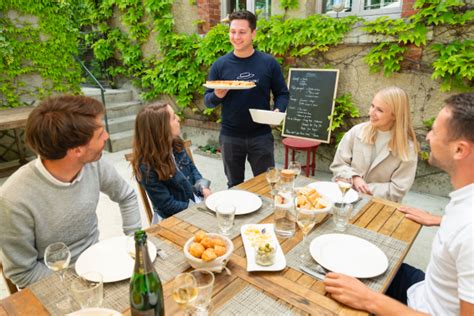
[450, 273]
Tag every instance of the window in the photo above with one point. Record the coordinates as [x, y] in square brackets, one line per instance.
[261, 7]
[366, 8]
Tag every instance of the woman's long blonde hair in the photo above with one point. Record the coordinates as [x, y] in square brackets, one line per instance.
[153, 142]
[402, 129]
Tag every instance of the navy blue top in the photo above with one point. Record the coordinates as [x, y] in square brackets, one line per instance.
[260, 68]
[172, 196]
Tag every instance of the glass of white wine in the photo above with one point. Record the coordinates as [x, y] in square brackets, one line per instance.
[185, 291]
[57, 257]
[273, 176]
[344, 183]
[295, 166]
[306, 219]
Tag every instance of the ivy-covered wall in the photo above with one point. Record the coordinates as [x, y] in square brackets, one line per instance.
[153, 44]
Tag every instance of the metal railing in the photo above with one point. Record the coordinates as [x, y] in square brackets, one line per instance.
[102, 94]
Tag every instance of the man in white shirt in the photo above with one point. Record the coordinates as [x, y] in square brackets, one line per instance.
[448, 288]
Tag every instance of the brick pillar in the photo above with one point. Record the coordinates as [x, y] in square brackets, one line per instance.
[210, 12]
[407, 8]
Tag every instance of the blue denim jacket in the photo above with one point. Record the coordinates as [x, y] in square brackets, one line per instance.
[172, 196]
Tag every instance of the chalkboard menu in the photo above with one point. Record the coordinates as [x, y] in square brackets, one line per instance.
[309, 112]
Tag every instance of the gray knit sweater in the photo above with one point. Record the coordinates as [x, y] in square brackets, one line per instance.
[35, 212]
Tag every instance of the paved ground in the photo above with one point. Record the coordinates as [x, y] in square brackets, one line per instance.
[110, 221]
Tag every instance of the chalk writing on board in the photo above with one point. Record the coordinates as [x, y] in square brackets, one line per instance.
[311, 104]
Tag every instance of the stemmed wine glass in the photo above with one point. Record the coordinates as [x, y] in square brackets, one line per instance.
[295, 166]
[57, 257]
[273, 176]
[344, 183]
[306, 219]
[185, 290]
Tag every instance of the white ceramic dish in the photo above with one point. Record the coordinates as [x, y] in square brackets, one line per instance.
[245, 202]
[331, 192]
[280, 260]
[267, 117]
[96, 311]
[112, 258]
[327, 209]
[216, 265]
[348, 254]
[226, 87]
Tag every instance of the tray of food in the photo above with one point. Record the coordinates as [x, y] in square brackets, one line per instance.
[229, 84]
[262, 248]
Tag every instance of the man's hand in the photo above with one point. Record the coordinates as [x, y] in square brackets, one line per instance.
[348, 290]
[360, 185]
[220, 93]
[276, 110]
[206, 192]
[420, 216]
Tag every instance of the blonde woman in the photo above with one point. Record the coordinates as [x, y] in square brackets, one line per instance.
[381, 155]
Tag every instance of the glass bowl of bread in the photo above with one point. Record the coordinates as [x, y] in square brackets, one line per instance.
[208, 251]
[309, 198]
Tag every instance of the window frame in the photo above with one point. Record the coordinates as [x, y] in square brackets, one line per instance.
[358, 10]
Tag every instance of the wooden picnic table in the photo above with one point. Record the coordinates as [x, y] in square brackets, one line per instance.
[15, 119]
[303, 294]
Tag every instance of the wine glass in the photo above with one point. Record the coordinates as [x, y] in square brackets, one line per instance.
[295, 166]
[306, 219]
[57, 257]
[185, 290]
[273, 176]
[344, 183]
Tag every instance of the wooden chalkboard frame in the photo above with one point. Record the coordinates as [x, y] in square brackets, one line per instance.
[329, 118]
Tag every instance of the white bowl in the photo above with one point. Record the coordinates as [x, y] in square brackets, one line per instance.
[267, 117]
[216, 265]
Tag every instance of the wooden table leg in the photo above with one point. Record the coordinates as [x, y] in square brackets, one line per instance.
[21, 152]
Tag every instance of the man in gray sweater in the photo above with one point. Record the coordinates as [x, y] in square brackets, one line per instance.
[54, 197]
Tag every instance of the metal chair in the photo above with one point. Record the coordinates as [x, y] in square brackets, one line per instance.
[141, 189]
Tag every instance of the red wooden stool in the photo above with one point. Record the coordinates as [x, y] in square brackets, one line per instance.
[309, 146]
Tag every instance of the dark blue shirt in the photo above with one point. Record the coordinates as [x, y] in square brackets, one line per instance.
[260, 68]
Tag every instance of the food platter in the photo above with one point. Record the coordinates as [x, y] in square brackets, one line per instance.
[229, 84]
[280, 261]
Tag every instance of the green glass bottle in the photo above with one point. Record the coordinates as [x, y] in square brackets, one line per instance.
[146, 292]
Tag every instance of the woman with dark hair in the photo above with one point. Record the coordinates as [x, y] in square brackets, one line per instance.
[160, 162]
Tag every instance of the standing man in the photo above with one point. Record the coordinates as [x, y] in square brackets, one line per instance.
[240, 137]
[54, 197]
[448, 287]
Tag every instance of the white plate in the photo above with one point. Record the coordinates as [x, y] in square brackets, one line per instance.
[111, 257]
[267, 117]
[280, 260]
[245, 202]
[348, 254]
[220, 86]
[96, 311]
[331, 191]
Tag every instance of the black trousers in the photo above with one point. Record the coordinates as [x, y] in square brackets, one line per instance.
[405, 277]
[258, 150]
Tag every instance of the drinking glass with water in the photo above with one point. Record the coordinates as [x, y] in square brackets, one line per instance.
[225, 213]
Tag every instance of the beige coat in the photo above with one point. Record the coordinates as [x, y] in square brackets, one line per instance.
[388, 176]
